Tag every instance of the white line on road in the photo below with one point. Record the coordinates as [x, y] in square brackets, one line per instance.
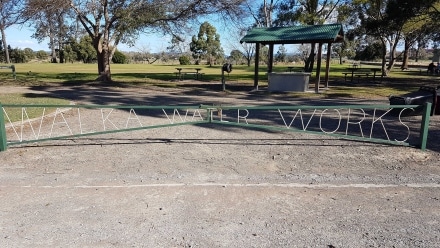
[249, 185]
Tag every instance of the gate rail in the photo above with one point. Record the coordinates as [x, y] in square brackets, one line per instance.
[68, 121]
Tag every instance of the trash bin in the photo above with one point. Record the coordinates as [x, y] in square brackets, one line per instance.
[423, 95]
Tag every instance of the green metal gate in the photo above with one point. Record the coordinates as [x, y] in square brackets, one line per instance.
[370, 123]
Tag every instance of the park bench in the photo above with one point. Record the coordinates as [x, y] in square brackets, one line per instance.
[12, 67]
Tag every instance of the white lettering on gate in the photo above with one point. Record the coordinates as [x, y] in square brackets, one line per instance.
[242, 117]
[195, 114]
[339, 121]
[354, 123]
[106, 118]
[407, 127]
[294, 117]
[381, 122]
[81, 129]
[24, 120]
[59, 112]
[110, 119]
[132, 118]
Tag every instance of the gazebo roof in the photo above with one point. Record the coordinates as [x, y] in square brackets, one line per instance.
[324, 33]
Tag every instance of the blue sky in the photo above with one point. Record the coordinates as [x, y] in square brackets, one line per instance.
[21, 37]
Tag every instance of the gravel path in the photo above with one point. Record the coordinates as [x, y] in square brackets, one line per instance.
[205, 186]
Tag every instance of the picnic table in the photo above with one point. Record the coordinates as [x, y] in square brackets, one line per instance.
[198, 73]
[181, 72]
[354, 70]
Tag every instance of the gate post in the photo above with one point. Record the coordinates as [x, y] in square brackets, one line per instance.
[3, 141]
[425, 125]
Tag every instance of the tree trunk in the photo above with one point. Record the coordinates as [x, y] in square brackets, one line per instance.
[308, 67]
[384, 58]
[52, 44]
[393, 46]
[405, 56]
[103, 55]
[5, 45]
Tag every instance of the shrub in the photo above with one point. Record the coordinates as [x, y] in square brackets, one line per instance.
[119, 58]
[184, 60]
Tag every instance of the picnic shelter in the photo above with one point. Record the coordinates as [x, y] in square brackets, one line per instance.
[311, 34]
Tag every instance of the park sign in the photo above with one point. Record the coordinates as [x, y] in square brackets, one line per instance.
[369, 123]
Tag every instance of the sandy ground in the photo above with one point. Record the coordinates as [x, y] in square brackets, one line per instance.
[205, 186]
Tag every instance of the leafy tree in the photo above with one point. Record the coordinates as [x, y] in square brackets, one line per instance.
[119, 58]
[41, 55]
[184, 60]
[370, 53]
[177, 45]
[387, 21]
[206, 45]
[18, 56]
[264, 54]
[49, 19]
[29, 53]
[10, 14]
[111, 22]
[344, 49]
[84, 49]
[281, 54]
[236, 56]
[70, 50]
[308, 12]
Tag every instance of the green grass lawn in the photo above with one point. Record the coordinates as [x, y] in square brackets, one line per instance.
[34, 74]
[38, 74]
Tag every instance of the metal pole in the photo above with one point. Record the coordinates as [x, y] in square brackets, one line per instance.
[425, 125]
[3, 141]
[223, 80]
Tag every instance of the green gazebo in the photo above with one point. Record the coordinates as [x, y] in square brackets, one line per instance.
[313, 34]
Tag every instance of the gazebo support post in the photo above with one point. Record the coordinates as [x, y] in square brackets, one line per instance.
[327, 64]
[318, 69]
[257, 60]
[270, 65]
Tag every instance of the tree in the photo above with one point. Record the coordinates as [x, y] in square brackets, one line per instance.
[184, 60]
[113, 21]
[308, 12]
[85, 50]
[29, 53]
[119, 58]
[41, 55]
[281, 54]
[177, 45]
[49, 19]
[18, 56]
[236, 56]
[10, 14]
[386, 21]
[206, 45]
